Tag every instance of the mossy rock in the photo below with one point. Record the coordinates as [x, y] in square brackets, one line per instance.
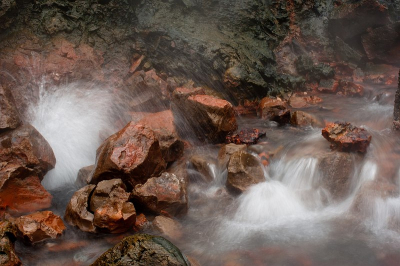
[143, 249]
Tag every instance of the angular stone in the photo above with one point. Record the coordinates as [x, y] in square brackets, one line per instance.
[39, 226]
[346, 137]
[84, 175]
[245, 136]
[337, 169]
[132, 154]
[182, 93]
[9, 117]
[202, 165]
[8, 233]
[142, 249]
[328, 86]
[274, 110]
[166, 193]
[112, 211]
[168, 226]
[244, 170]
[23, 195]
[163, 125]
[227, 150]
[77, 212]
[302, 119]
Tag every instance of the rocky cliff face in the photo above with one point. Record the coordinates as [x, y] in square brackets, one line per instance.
[244, 49]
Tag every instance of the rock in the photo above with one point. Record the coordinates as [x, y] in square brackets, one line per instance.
[84, 175]
[140, 223]
[302, 119]
[202, 165]
[166, 193]
[183, 93]
[348, 88]
[396, 110]
[212, 117]
[312, 71]
[245, 136]
[142, 249]
[345, 53]
[337, 169]
[9, 117]
[8, 233]
[39, 226]
[162, 123]
[132, 154]
[274, 110]
[23, 195]
[244, 170]
[383, 43]
[346, 137]
[113, 212]
[328, 86]
[77, 212]
[227, 150]
[168, 226]
[303, 101]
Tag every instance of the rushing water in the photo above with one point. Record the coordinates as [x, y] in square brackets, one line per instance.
[290, 219]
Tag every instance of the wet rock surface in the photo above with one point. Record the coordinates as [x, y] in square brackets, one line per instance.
[8, 234]
[142, 249]
[300, 118]
[9, 117]
[39, 226]
[166, 193]
[244, 170]
[171, 228]
[132, 154]
[274, 110]
[346, 137]
[245, 136]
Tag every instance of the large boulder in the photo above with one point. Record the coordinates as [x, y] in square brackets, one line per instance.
[244, 170]
[346, 137]
[166, 193]
[113, 212]
[8, 233]
[274, 110]
[163, 125]
[77, 212]
[337, 169]
[9, 117]
[132, 154]
[142, 249]
[39, 226]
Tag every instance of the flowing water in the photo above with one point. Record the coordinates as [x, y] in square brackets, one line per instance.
[290, 219]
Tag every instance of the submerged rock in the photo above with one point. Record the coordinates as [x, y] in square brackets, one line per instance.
[8, 233]
[274, 110]
[163, 125]
[142, 249]
[244, 170]
[113, 212]
[132, 154]
[337, 169]
[9, 117]
[346, 137]
[166, 193]
[39, 226]
[77, 212]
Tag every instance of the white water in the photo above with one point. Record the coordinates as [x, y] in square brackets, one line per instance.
[74, 119]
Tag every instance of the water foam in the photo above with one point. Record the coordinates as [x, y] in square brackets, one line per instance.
[72, 118]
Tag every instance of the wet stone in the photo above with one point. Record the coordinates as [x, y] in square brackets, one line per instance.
[245, 136]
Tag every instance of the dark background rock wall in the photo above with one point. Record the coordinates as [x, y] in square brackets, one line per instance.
[243, 49]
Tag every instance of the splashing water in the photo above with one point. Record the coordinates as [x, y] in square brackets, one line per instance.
[74, 119]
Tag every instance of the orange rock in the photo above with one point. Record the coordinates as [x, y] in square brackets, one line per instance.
[274, 110]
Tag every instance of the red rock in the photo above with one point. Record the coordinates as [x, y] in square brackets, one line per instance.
[328, 86]
[346, 137]
[337, 169]
[168, 226]
[247, 108]
[274, 110]
[300, 118]
[227, 150]
[215, 117]
[8, 234]
[349, 88]
[23, 195]
[39, 226]
[244, 170]
[113, 212]
[163, 125]
[140, 223]
[300, 101]
[164, 193]
[245, 136]
[9, 117]
[132, 154]
[77, 212]
[84, 175]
